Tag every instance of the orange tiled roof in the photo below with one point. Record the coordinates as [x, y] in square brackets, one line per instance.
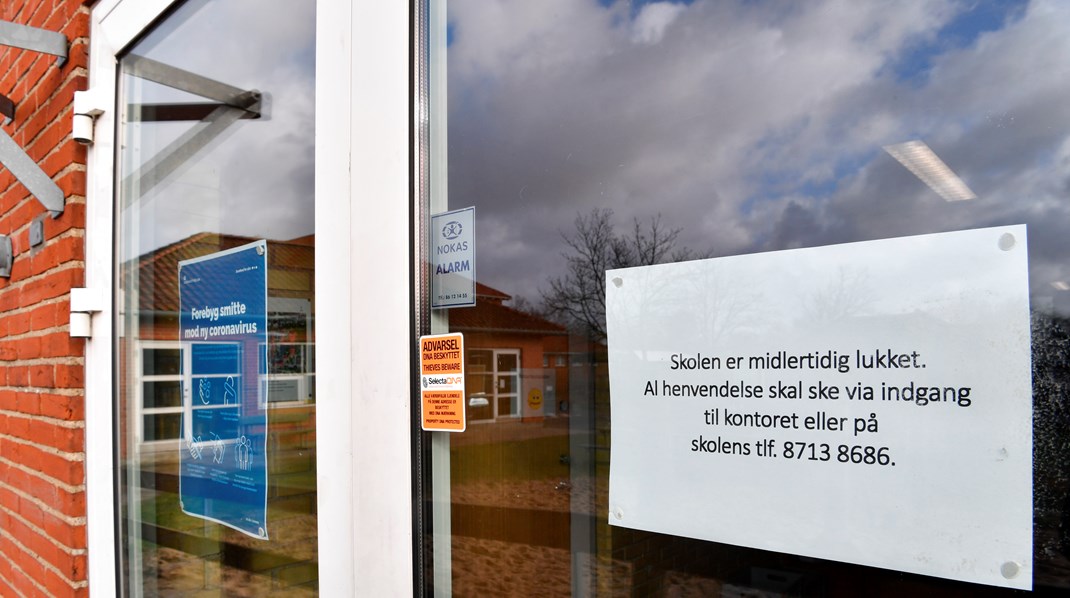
[158, 270]
[491, 315]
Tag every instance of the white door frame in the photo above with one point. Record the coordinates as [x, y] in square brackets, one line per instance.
[363, 293]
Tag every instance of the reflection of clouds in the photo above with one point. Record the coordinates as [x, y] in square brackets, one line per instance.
[257, 178]
[653, 19]
[755, 126]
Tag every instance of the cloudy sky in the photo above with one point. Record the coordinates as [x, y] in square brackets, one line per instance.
[755, 125]
[257, 178]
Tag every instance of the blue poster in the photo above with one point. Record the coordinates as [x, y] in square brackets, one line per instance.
[223, 332]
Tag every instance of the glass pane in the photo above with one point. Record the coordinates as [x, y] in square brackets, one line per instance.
[217, 246]
[157, 393]
[163, 426]
[506, 363]
[596, 136]
[505, 406]
[161, 362]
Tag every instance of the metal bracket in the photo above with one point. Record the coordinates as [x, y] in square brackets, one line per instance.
[12, 156]
[15, 159]
[7, 109]
[34, 39]
[183, 80]
[233, 104]
[7, 256]
[37, 231]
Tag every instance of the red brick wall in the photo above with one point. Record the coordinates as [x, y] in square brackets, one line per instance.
[42, 417]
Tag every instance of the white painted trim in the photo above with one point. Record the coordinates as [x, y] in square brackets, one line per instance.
[363, 309]
[113, 25]
[122, 21]
[334, 407]
[362, 294]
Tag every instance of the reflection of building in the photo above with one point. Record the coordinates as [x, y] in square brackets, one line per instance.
[152, 379]
[156, 372]
[516, 364]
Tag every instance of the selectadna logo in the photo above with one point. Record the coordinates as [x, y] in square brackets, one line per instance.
[452, 230]
[441, 380]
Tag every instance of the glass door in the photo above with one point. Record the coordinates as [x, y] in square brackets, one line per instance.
[216, 429]
[507, 384]
[731, 233]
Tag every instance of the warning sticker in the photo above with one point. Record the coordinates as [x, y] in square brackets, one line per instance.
[442, 382]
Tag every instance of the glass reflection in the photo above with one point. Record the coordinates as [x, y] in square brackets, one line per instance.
[217, 152]
[593, 135]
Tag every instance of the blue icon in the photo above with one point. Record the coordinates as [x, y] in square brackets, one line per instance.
[452, 230]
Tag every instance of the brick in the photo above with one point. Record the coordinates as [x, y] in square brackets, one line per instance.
[43, 438]
[60, 344]
[51, 285]
[41, 375]
[38, 13]
[73, 536]
[27, 402]
[27, 348]
[46, 316]
[21, 215]
[56, 253]
[62, 154]
[73, 182]
[16, 8]
[51, 137]
[45, 432]
[77, 19]
[69, 504]
[56, 20]
[34, 123]
[17, 324]
[38, 66]
[70, 566]
[73, 217]
[70, 376]
[56, 467]
[18, 427]
[21, 269]
[33, 570]
[60, 406]
[18, 376]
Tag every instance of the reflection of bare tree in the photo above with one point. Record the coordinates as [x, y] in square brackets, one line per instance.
[843, 297]
[579, 298]
[720, 305]
[1051, 435]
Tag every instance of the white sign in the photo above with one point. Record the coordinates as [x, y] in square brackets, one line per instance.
[453, 259]
[868, 403]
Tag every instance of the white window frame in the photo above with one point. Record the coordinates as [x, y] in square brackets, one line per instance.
[496, 394]
[139, 396]
[363, 138]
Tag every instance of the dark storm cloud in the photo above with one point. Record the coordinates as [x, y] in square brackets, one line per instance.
[752, 126]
